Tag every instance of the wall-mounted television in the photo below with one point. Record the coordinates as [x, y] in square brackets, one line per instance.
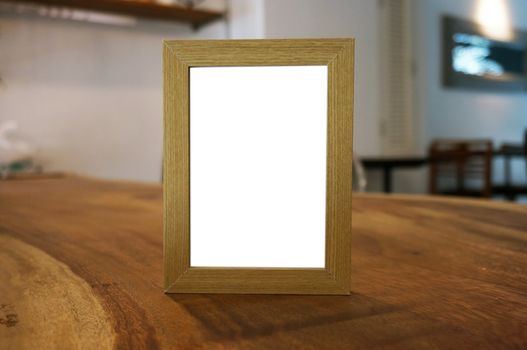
[473, 60]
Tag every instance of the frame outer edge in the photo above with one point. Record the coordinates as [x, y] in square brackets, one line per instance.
[176, 172]
[168, 164]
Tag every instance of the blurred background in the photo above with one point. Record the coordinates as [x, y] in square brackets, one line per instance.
[440, 85]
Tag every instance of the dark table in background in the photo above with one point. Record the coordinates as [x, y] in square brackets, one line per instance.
[387, 164]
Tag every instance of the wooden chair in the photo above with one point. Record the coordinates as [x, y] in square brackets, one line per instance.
[461, 167]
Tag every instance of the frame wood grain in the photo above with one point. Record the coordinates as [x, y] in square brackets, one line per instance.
[179, 57]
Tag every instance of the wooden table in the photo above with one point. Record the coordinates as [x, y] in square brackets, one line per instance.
[81, 261]
[389, 163]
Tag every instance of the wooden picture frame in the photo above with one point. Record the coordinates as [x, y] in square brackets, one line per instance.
[179, 57]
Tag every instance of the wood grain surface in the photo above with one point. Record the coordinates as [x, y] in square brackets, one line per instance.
[81, 267]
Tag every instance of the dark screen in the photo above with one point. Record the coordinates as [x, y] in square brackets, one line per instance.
[512, 59]
[476, 55]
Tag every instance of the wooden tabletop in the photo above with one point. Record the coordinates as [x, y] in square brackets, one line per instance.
[81, 267]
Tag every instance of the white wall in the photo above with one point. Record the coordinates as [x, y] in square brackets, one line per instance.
[246, 19]
[458, 113]
[339, 18]
[89, 95]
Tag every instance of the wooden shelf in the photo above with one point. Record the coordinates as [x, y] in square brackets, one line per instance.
[145, 9]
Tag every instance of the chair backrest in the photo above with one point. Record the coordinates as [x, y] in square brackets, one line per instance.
[457, 165]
